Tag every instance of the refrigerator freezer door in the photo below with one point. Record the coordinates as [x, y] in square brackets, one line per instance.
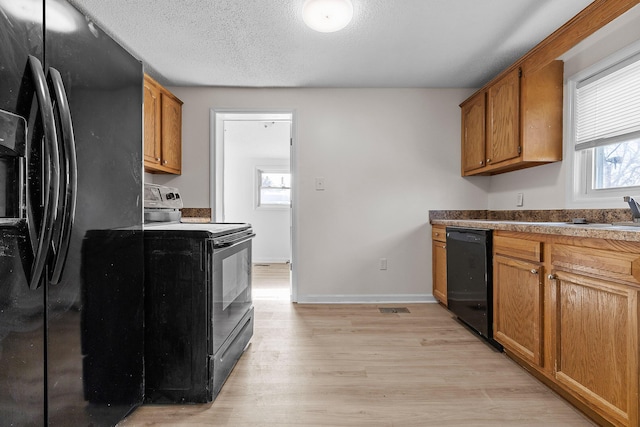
[22, 321]
[84, 328]
[95, 311]
[21, 332]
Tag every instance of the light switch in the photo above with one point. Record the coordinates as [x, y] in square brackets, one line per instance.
[520, 199]
[320, 184]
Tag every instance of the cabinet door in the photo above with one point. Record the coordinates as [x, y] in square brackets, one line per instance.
[503, 99]
[597, 344]
[171, 133]
[517, 307]
[151, 124]
[440, 271]
[473, 133]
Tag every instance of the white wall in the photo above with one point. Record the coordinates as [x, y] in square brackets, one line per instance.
[544, 187]
[388, 157]
[247, 146]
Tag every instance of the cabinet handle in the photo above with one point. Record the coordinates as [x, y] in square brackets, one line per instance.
[437, 234]
[164, 163]
[157, 159]
[551, 277]
[534, 271]
[444, 246]
[488, 160]
[481, 163]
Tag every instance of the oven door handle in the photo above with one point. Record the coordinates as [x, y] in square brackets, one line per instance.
[228, 244]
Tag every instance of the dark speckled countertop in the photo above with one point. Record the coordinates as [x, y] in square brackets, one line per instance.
[612, 224]
[196, 215]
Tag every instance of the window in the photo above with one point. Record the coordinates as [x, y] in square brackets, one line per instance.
[605, 129]
[274, 188]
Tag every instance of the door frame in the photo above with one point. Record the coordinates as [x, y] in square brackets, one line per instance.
[216, 172]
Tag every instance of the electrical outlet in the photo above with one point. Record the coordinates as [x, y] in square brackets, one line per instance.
[520, 199]
[383, 263]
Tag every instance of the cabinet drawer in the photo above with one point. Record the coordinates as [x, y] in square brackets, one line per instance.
[529, 250]
[438, 233]
[613, 265]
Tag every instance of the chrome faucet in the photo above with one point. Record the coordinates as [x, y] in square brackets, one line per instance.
[635, 208]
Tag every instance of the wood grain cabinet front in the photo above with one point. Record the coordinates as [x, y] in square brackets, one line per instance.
[503, 116]
[171, 119]
[518, 298]
[473, 133]
[162, 129]
[596, 329]
[152, 143]
[515, 122]
[439, 263]
[567, 308]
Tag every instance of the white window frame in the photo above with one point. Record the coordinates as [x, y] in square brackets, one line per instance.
[579, 170]
[259, 170]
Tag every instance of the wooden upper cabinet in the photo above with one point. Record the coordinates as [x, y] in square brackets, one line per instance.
[503, 99]
[522, 122]
[162, 129]
[171, 132]
[473, 133]
[538, 117]
[151, 124]
[541, 108]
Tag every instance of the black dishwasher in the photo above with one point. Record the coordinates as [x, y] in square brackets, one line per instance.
[469, 279]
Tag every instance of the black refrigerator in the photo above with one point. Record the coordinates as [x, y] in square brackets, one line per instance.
[71, 244]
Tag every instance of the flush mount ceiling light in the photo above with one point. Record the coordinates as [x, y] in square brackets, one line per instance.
[327, 16]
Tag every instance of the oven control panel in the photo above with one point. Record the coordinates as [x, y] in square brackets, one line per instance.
[161, 197]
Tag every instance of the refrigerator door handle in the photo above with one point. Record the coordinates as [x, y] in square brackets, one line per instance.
[51, 176]
[69, 175]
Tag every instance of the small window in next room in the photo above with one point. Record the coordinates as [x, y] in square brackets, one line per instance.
[605, 129]
[274, 188]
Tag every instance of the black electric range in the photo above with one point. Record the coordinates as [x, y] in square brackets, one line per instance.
[198, 308]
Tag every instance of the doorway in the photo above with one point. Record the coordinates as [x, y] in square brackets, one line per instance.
[252, 181]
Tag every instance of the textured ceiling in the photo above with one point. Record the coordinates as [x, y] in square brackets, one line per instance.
[389, 43]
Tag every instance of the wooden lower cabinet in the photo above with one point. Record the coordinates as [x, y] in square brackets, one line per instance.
[517, 301]
[567, 309]
[597, 344]
[439, 263]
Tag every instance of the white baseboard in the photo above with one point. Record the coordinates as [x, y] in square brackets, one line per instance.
[366, 299]
[270, 261]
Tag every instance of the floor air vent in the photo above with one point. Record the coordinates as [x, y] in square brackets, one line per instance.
[394, 310]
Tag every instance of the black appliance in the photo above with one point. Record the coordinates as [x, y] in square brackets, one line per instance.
[469, 279]
[198, 308]
[71, 240]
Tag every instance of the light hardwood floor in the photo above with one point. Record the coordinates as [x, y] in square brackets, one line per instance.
[350, 365]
